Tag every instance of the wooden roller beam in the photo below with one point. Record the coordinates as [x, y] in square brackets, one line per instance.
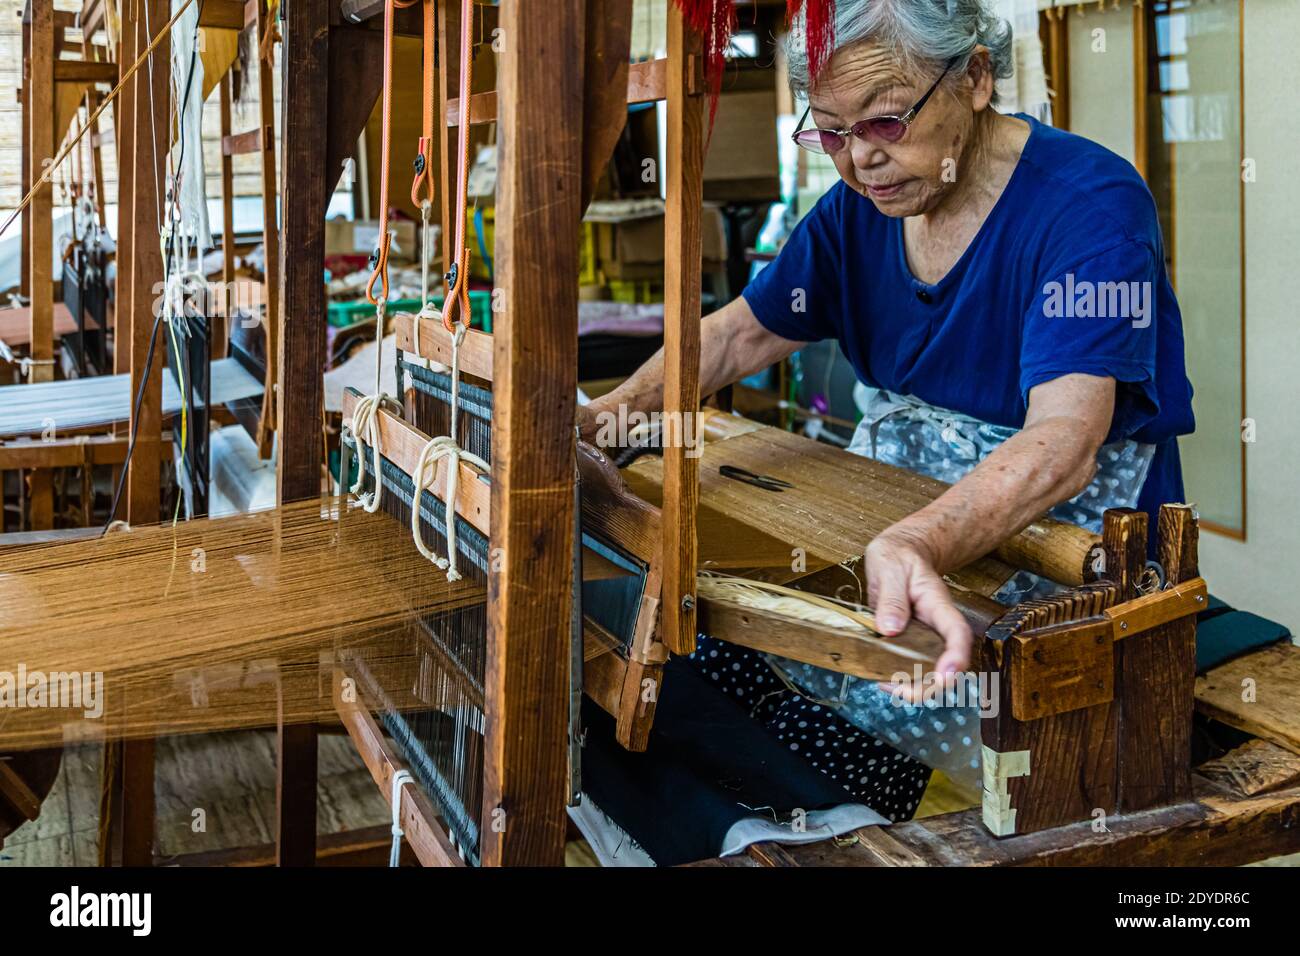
[839, 502]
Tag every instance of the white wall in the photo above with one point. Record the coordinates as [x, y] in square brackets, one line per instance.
[1263, 574]
[1101, 80]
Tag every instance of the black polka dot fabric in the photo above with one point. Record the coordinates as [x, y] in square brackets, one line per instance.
[870, 771]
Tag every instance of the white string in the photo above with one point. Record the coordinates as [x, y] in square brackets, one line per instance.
[427, 308]
[456, 338]
[365, 425]
[365, 421]
[24, 364]
[400, 779]
[425, 475]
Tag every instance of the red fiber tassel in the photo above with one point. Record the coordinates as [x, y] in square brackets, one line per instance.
[714, 21]
[819, 30]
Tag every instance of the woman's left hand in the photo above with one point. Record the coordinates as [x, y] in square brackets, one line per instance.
[902, 583]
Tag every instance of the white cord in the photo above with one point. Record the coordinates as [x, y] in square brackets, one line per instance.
[426, 472]
[427, 309]
[365, 424]
[400, 779]
[456, 338]
[24, 364]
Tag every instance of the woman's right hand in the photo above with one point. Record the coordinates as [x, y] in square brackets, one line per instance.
[585, 420]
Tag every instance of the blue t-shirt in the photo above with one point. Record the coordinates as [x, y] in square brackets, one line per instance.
[1067, 274]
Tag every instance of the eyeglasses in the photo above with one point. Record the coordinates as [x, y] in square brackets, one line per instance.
[877, 129]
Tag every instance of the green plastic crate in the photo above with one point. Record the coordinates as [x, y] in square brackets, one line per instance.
[343, 314]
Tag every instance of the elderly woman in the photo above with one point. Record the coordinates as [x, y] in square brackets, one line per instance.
[1000, 289]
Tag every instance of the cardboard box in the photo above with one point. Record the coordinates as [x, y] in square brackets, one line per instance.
[742, 163]
[360, 236]
[632, 248]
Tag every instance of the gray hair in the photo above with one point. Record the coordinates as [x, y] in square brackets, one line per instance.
[922, 33]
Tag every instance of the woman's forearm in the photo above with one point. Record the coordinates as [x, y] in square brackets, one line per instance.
[1032, 472]
[732, 345]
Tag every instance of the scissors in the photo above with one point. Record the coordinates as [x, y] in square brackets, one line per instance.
[766, 482]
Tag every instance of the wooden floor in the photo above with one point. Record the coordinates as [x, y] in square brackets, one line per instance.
[230, 777]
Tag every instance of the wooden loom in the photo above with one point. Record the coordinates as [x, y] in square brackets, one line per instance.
[1084, 746]
[47, 72]
[1095, 701]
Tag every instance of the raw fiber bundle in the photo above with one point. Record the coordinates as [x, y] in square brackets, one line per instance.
[208, 625]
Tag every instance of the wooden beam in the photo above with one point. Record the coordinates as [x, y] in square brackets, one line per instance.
[401, 443]
[682, 264]
[270, 225]
[1058, 65]
[39, 93]
[93, 98]
[138, 801]
[299, 345]
[223, 14]
[356, 59]
[150, 155]
[23, 95]
[307, 86]
[143, 490]
[123, 125]
[482, 109]
[16, 329]
[17, 793]
[419, 819]
[85, 71]
[1221, 825]
[529, 599]
[435, 344]
[39, 119]
[221, 333]
[91, 17]
[249, 141]
[447, 88]
[605, 68]
[835, 648]
[646, 83]
[64, 452]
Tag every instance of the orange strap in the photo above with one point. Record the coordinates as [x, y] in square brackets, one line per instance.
[379, 259]
[457, 303]
[424, 157]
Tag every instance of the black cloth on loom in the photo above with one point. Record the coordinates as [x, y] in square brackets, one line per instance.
[707, 763]
[1223, 633]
